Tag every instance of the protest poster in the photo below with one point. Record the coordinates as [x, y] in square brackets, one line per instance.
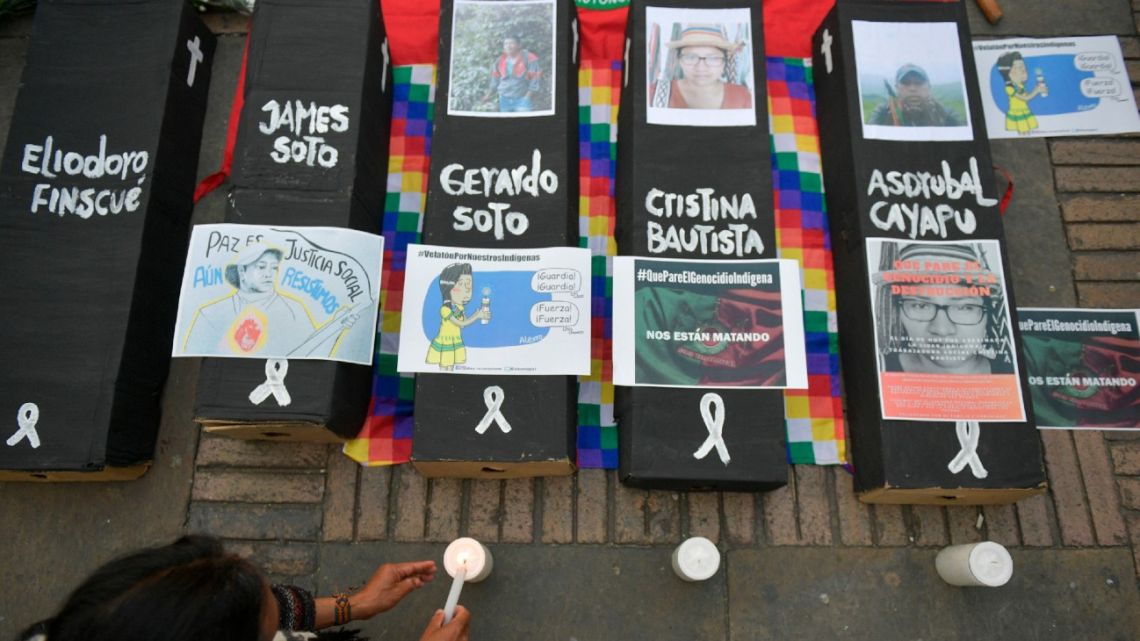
[1083, 365]
[1055, 87]
[496, 311]
[259, 291]
[716, 324]
[943, 334]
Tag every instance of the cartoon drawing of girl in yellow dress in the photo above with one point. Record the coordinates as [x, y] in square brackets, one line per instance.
[1019, 117]
[455, 285]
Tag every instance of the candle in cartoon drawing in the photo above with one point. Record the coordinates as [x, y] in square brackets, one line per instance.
[1019, 117]
[455, 286]
[486, 306]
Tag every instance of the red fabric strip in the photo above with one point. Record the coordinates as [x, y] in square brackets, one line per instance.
[602, 33]
[1008, 195]
[211, 182]
[789, 25]
[413, 31]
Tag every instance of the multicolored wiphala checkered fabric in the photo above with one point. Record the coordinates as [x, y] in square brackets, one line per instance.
[386, 438]
[814, 416]
[599, 90]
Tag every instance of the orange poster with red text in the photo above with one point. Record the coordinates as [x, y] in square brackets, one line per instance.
[969, 397]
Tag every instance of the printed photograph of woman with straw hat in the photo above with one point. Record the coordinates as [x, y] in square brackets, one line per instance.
[943, 333]
[700, 67]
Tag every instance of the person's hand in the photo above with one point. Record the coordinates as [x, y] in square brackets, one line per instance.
[390, 583]
[457, 630]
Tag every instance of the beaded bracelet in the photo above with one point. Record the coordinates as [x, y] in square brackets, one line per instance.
[343, 612]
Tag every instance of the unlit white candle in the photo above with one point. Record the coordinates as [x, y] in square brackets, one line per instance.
[453, 595]
[697, 559]
[986, 564]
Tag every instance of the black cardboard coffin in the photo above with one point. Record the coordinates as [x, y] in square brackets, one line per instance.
[93, 245]
[905, 461]
[329, 400]
[311, 151]
[545, 407]
[660, 428]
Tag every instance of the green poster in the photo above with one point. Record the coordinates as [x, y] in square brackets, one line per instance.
[708, 324]
[1083, 365]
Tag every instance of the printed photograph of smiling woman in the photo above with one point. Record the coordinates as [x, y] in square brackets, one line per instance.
[940, 308]
[700, 67]
[911, 81]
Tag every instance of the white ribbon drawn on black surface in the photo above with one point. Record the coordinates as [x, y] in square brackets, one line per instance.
[196, 56]
[493, 398]
[968, 434]
[26, 418]
[714, 423]
[275, 371]
[825, 48]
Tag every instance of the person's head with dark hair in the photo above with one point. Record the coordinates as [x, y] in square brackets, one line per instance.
[189, 590]
[193, 590]
[912, 86]
[254, 270]
[512, 45]
[455, 284]
[1012, 68]
[947, 313]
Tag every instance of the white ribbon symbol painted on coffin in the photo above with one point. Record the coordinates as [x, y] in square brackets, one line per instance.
[712, 411]
[26, 418]
[275, 371]
[968, 434]
[493, 398]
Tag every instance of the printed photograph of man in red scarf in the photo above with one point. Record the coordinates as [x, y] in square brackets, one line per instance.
[502, 58]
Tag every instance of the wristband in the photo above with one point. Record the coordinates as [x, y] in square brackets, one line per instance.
[343, 613]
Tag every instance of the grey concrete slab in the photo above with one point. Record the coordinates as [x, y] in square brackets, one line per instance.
[1034, 231]
[586, 593]
[895, 595]
[1037, 18]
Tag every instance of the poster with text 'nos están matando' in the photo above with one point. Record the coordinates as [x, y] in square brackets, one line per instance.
[715, 324]
[1082, 365]
[943, 333]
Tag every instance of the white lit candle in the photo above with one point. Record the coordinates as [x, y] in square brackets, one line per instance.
[986, 564]
[467, 561]
[697, 559]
